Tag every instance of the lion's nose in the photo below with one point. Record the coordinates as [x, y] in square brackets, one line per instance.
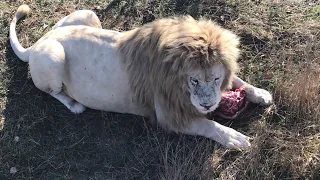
[207, 106]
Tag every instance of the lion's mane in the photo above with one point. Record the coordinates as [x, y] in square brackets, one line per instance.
[158, 56]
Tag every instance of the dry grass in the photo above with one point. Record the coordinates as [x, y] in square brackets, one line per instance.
[280, 52]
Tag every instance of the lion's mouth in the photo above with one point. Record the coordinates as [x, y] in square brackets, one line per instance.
[205, 110]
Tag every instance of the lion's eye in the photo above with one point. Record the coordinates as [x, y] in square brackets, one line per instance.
[194, 81]
[216, 80]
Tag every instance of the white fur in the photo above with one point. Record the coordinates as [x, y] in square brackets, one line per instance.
[209, 86]
[93, 76]
[259, 96]
[254, 94]
[71, 104]
[226, 136]
[80, 17]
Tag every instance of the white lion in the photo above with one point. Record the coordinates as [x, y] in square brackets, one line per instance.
[173, 69]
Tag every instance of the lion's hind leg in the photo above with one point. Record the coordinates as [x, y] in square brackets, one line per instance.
[47, 68]
[79, 17]
[70, 103]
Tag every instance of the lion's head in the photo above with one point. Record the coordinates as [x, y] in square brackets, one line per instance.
[184, 63]
[205, 87]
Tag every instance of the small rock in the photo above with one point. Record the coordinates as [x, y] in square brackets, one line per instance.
[60, 138]
[222, 18]
[13, 170]
[16, 138]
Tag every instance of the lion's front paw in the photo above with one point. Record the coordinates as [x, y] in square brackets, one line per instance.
[233, 139]
[259, 96]
[224, 135]
[77, 108]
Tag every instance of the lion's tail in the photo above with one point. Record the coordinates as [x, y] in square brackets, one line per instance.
[20, 51]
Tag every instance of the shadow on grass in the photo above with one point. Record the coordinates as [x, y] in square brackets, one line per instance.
[128, 14]
[56, 144]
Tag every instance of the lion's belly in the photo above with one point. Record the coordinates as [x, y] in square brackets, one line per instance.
[111, 95]
[99, 81]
